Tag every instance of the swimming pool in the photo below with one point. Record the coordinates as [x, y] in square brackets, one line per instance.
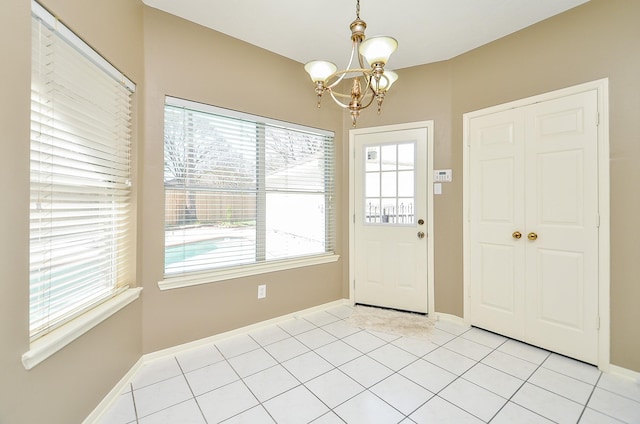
[208, 254]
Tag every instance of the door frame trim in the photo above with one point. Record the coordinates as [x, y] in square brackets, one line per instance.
[428, 125]
[602, 88]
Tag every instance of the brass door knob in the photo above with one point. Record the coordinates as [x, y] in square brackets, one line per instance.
[532, 236]
[421, 234]
[516, 235]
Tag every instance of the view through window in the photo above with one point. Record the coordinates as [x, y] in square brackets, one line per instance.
[242, 189]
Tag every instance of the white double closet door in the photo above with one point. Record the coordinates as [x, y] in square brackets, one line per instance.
[533, 224]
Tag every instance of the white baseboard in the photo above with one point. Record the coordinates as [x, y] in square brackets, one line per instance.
[625, 373]
[172, 351]
[448, 317]
[114, 394]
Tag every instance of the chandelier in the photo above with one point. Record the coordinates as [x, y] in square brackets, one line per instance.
[368, 84]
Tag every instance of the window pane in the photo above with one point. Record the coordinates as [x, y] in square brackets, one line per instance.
[372, 184]
[406, 156]
[389, 210]
[219, 228]
[405, 211]
[239, 190]
[372, 210]
[406, 183]
[389, 157]
[372, 155]
[295, 225]
[389, 184]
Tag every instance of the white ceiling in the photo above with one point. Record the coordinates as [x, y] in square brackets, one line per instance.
[427, 30]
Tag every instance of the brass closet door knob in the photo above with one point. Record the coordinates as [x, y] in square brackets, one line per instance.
[532, 236]
[516, 235]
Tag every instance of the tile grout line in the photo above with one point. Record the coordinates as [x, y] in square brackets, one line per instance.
[133, 399]
[337, 368]
[363, 354]
[589, 398]
[195, 399]
[301, 383]
[509, 400]
[460, 376]
[393, 372]
[595, 386]
[161, 381]
[249, 388]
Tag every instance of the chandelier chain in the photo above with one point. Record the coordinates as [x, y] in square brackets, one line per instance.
[358, 9]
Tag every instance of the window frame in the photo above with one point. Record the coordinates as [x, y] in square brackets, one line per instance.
[259, 267]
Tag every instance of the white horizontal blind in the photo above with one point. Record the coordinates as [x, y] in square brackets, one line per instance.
[80, 179]
[241, 189]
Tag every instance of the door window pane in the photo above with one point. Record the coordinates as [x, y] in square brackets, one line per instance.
[388, 159]
[372, 210]
[372, 158]
[388, 184]
[406, 181]
[372, 184]
[406, 156]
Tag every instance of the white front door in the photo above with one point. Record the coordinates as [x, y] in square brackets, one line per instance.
[533, 197]
[390, 219]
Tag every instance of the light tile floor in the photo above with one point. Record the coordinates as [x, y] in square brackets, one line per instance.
[319, 369]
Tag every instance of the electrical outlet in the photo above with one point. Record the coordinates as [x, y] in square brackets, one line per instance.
[262, 291]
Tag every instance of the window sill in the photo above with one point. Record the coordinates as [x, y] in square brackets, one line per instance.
[49, 344]
[195, 279]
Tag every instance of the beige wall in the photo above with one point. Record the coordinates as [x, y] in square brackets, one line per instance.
[188, 61]
[599, 39]
[66, 387]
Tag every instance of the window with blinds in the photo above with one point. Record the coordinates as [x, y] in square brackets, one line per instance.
[80, 176]
[242, 189]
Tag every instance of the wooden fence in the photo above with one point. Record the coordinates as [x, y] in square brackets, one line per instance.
[207, 208]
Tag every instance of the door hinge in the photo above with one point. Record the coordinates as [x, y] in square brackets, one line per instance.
[598, 220]
[354, 218]
[598, 322]
[597, 119]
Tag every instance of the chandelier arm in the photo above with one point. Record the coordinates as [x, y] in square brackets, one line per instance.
[369, 86]
[338, 102]
[341, 74]
[360, 57]
[338, 94]
[353, 52]
[373, 96]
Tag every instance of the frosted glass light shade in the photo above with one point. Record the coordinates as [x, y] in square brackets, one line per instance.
[319, 70]
[378, 49]
[385, 83]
